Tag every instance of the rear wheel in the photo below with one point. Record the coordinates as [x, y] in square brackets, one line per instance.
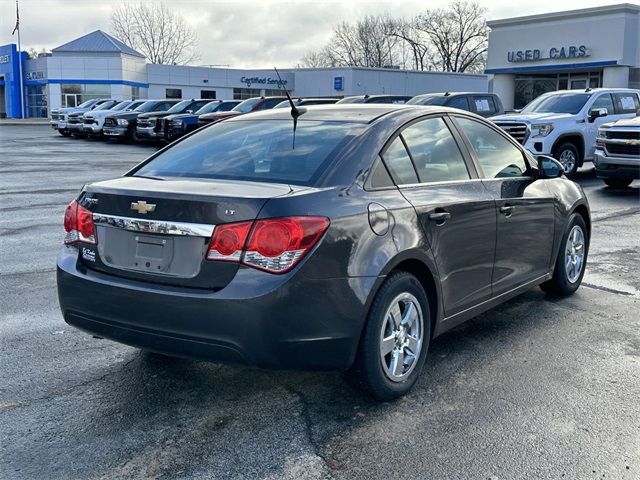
[618, 182]
[396, 338]
[572, 259]
[567, 154]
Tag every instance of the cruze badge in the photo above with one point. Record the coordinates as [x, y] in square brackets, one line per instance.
[143, 207]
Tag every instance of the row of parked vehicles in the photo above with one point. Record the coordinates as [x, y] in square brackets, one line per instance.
[573, 126]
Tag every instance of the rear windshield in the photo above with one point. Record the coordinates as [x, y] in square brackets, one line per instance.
[260, 151]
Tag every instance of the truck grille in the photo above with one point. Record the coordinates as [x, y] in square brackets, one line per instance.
[622, 149]
[518, 130]
[55, 116]
[622, 135]
[88, 121]
[74, 120]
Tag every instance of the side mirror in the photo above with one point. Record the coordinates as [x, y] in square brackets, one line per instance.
[597, 113]
[549, 167]
[189, 111]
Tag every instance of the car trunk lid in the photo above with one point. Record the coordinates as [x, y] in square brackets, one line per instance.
[158, 230]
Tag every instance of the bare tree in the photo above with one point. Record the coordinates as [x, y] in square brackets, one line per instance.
[458, 34]
[155, 31]
[367, 43]
[417, 42]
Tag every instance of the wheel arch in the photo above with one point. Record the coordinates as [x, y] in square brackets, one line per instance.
[576, 139]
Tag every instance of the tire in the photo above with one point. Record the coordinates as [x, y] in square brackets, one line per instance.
[64, 133]
[622, 182]
[567, 154]
[375, 370]
[565, 280]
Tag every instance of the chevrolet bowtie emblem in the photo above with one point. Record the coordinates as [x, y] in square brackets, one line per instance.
[143, 207]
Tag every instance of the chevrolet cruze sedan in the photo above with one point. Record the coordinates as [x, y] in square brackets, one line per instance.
[346, 241]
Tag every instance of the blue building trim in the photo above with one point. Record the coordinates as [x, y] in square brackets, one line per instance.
[543, 68]
[91, 82]
[10, 71]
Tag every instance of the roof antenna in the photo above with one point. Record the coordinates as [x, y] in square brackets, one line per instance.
[295, 111]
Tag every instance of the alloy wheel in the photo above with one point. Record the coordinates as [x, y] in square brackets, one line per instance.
[401, 337]
[574, 254]
[568, 160]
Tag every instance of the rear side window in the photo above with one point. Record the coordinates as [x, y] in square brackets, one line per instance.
[434, 151]
[459, 102]
[627, 102]
[497, 156]
[398, 161]
[255, 151]
[484, 106]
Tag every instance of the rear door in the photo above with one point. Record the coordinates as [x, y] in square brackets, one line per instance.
[524, 205]
[455, 211]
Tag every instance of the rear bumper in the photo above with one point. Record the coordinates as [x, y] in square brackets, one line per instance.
[616, 167]
[269, 321]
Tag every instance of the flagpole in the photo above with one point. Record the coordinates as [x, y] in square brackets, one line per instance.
[20, 65]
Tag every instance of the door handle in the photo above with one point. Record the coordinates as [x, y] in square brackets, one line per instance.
[439, 217]
[507, 210]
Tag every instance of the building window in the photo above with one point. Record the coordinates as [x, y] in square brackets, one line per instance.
[274, 93]
[173, 93]
[208, 94]
[37, 101]
[634, 78]
[244, 93]
[75, 94]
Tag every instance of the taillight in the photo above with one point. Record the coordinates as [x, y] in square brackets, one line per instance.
[78, 223]
[275, 245]
[228, 241]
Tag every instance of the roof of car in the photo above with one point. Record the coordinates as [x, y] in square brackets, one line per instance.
[452, 94]
[346, 112]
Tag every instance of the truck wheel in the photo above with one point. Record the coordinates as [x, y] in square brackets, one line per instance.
[618, 182]
[64, 133]
[571, 260]
[567, 154]
[396, 338]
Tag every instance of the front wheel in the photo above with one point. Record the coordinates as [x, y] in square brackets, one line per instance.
[396, 338]
[618, 182]
[567, 154]
[572, 259]
[64, 133]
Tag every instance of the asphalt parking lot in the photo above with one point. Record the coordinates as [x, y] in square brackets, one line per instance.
[539, 388]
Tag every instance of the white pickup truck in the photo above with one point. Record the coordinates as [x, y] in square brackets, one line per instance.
[565, 123]
[618, 152]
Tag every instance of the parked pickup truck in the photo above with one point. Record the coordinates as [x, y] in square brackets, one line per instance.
[122, 125]
[565, 123]
[151, 125]
[60, 116]
[483, 104]
[93, 120]
[179, 124]
[75, 122]
[617, 156]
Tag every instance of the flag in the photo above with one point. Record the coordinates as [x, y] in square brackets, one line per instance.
[17, 27]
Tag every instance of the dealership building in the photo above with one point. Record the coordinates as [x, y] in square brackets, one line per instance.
[100, 66]
[527, 56]
[592, 47]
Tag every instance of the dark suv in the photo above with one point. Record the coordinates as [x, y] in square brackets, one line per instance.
[484, 104]
[122, 126]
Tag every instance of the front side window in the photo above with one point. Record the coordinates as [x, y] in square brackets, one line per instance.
[604, 101]
[260, 151]
[497, 156]
[399, 163]
[434, 151]
[459, 102]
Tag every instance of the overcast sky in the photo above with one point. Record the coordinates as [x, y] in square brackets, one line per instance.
[242, 34]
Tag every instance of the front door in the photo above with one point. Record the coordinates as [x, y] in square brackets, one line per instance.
[456, 213]
[524, 207]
